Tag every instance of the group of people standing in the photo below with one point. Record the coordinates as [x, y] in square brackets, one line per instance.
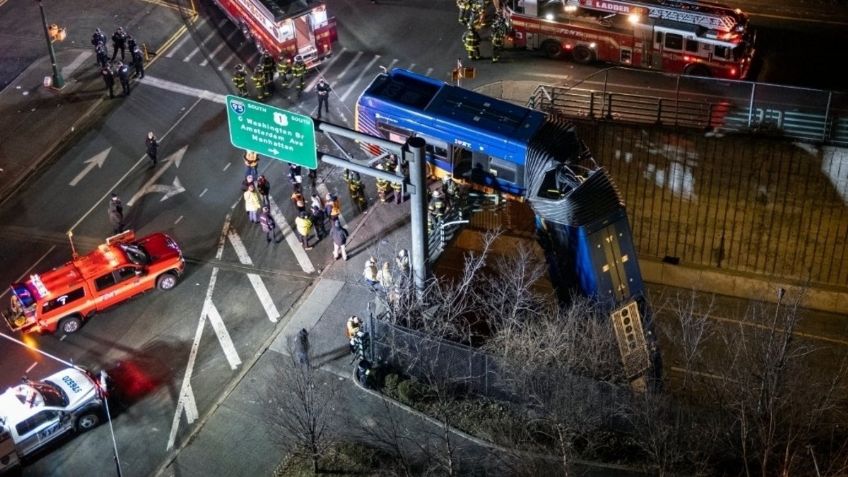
[472, 14]
[109, 67]
[288, 70]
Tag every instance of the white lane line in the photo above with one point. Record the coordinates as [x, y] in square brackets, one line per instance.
[392, 64]
[350, 65]
[72, 66]
[366, 70]
[186, 396]
[143, 158]
[223, 335]
[204, 40]
[322, 191]
[26, 272]
[429, 70]
[218, 48]
[183, 89]
[291, 240]
[185, 38]
[204, 192]
[179, 219]
[31, 366]
[228, 166]
[255, 280]
[324, 69]
[411, 66]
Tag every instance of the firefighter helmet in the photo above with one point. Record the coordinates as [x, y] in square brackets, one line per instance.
[240, 68]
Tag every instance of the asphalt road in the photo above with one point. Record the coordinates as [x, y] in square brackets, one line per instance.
[146, 344]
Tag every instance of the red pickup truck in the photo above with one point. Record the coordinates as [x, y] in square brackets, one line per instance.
[115, 271]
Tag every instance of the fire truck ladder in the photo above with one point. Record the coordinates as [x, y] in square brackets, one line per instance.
[708, 15]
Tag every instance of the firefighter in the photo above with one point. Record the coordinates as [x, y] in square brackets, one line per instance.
[268, 67]
[471, 40]
[382, 185]
[397, 187]
[436, 207]
[354, 324]
[464, 7]
[499, 30]
[240, 80]
[299, 73]
[477, 16]
[259, 81]
[284, 69]
[355, 187]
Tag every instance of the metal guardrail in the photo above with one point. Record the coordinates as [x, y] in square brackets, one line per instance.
[703, 103]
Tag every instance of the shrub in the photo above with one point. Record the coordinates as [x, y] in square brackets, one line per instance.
[410, 391]
[390, 385]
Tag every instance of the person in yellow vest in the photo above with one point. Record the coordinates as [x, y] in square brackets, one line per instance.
[252, 203]
[284, 69]
[259, 81]
[240, 80]
[304, 229]
[299, 73]
[471, 41]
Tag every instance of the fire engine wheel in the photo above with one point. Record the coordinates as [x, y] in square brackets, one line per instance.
[582, 54]
[697, 70]
[166, 281]
[70, 325]
[88, 421]
[552, 49]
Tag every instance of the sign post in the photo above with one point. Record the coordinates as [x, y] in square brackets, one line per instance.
[272, 132]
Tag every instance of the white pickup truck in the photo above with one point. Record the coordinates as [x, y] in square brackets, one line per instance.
[35, 413]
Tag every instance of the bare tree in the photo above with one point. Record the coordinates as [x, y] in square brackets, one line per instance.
[300, 409]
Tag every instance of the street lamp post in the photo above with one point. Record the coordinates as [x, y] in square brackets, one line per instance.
[58, 81]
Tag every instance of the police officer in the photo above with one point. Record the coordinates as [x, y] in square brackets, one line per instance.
[109, 79]
[102, 55]
[119, 42]
[471, 40]
[124, 76]
[284, 69]
[138, 63]
[299, 73]
[259, 81]
[131, 44]
[97, 39]
[240, 80]
[323, 90]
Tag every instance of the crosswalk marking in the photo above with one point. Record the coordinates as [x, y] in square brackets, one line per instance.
[291, 240]
[255, 280]
[359, 77]
[183, 89]
[350, 65]
[218, 48]
[185, 38]
[223, 335]
[203, 42]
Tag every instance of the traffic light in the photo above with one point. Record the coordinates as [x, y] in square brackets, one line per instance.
[56, 33]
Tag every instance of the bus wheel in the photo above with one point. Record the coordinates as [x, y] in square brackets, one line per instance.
[582, 54]
[697, 70]
[552, 49]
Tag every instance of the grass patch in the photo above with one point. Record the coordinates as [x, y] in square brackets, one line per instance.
[343, 459]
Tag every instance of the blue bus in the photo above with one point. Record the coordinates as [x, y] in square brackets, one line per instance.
[470, 137]
[523, 154]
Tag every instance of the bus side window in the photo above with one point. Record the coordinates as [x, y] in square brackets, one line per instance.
[462, 162]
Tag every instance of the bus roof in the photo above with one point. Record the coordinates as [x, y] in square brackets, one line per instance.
[420, 95]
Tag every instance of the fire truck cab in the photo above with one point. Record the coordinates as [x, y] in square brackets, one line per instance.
[291, 28]
[35, 413]
[115, 271]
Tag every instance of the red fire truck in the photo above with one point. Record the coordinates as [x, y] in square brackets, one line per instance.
[674, 36]
[293, 28]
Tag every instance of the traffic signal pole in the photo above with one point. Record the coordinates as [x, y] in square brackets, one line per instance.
[413, 153]
[58, 80]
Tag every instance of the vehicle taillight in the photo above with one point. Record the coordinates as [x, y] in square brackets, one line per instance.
[732, 71]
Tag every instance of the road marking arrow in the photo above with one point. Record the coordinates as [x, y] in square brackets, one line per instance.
[151, 186]
[97, 160]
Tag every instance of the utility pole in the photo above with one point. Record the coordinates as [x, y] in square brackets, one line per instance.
[58, 81]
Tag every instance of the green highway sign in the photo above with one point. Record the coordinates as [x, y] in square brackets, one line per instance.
[272, 132]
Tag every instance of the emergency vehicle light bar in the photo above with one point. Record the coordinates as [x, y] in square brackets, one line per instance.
[35, 279]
